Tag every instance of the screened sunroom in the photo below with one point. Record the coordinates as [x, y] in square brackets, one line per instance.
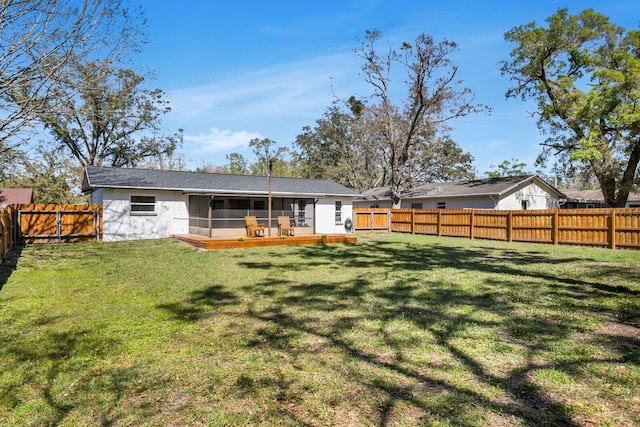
[224, 215]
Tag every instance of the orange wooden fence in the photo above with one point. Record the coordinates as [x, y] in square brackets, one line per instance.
[57, 223]
[599, 227]
[6, 233]
[373, 220]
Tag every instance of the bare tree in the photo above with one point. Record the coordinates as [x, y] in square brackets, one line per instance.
[40, 38]
[434, 98]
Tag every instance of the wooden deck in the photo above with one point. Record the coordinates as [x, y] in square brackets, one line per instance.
[254, 242]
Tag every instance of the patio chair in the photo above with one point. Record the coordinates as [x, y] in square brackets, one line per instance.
[253, 228]
[285, 226]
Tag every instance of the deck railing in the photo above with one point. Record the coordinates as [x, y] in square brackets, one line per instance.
[234, 218]
[598, 227]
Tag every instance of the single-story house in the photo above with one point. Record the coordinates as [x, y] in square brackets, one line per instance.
[13, 196]
[507, 193]
[146, 204]
[580, 199]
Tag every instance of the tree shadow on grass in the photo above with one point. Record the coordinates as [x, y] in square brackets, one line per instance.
[450, 313]
[50, 368]
[201, 304]
[9, 265]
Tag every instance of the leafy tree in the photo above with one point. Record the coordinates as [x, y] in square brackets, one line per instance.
[584, 73]
[434, 98]
[10, 163]
[209, 168]
[283, 162]
[338, 148]
[345, 146]
[110, 118]
[40, 39]
[174, 161]
[441, 160]
[511, 167]
[237, 164]
[266, 151]
[53, 176]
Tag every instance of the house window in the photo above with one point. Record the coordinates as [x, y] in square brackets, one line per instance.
[416, 205]
[338, 212]
[442, 205]
[143, 205]
[525, 204]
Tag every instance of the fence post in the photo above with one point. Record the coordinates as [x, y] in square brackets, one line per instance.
[438, 223]
[413, 221]
[555, 227]
[17, 225]
[96, 224]
[509, 226]
[612, 229]
[59, 225]
[471, 224]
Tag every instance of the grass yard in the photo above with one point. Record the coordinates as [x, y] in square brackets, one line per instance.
[396, 330]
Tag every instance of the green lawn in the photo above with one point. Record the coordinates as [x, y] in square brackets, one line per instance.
[394, 330]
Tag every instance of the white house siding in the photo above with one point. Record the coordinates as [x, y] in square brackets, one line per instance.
[451, 203]
[536, 197]
[326, 218]
[170, 216]
[484, 202]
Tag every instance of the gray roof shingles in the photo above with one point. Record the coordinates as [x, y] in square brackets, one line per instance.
[150, 179]
[488, 186]
[595, 195]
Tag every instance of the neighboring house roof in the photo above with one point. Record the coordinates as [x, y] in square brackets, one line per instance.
[476, 187]
[594, 196]
[200, 182]
[11, 196]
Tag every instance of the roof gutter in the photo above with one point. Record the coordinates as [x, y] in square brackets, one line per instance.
[198, 191]
[440, 196]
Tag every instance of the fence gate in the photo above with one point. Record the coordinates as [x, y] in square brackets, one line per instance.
[57, 223]
[372, 220]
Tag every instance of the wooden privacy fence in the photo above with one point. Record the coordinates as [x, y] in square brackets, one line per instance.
[599, 227]
[6, 232]
[57, 223]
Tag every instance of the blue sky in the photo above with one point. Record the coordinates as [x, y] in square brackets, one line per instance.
[234, 71]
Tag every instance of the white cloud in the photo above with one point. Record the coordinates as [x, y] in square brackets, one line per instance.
[289, 90]
[219, 141]
[274, 102]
